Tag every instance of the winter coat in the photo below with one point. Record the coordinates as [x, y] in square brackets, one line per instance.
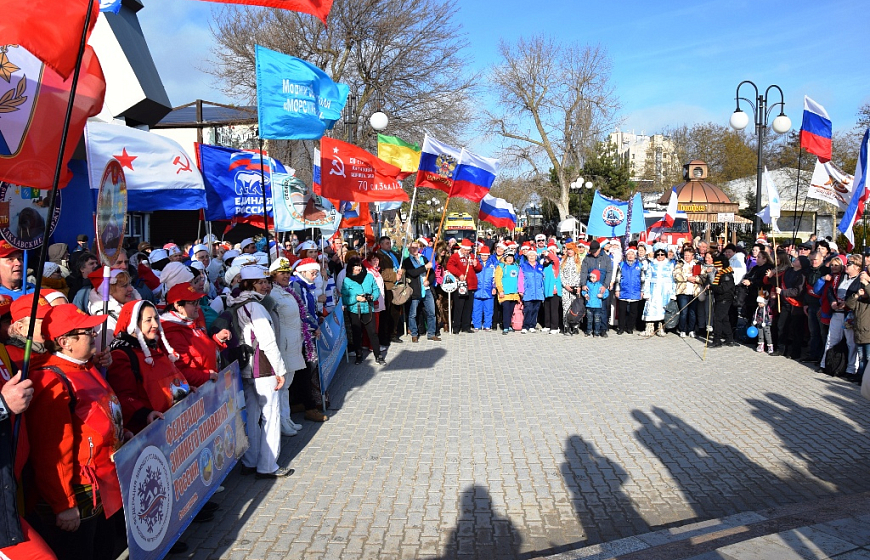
[288, 328]
[77, 444]
[486, 280]
[629, 281]
[793, 287]
[533, 281]
[197, 351]
[351, 289]
[145, 387]
[860, 306]
[593, 289]
[552, 283]
[10, 524]
[682, 271]
[468, 266]
[257, 326]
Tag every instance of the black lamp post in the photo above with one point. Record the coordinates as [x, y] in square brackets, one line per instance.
[761, 109]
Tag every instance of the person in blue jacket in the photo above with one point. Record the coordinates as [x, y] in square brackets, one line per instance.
[552, 291]
[481, 313]
[358, 292]
[596, 293]
[628, 291]
[533, 288]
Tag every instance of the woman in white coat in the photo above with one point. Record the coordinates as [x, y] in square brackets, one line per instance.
[289, 334]
[262, 381]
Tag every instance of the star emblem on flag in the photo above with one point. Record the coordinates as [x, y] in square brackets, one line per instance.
[6, 67]
[125, 159]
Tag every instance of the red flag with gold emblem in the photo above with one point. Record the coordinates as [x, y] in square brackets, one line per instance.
[348, 172]
[318, 8]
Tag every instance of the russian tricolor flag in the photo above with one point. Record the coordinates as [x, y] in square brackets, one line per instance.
[438, 165]
[498, 212]
[816, 130]
[860, 193]
[474, 176]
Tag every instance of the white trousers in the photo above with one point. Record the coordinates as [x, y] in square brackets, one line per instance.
[836, 332]
[264, 424]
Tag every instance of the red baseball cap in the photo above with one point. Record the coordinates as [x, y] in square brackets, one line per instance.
[21, 307]
[5, 305]
[68, 317]
[6, 249]
[182, 292]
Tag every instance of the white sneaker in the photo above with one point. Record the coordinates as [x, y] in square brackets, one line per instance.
[531, 330]
[545, 330]
[682, 334]
[294, 425]
[524, 331]
[288, 431]
[554, 331]
[691, 334]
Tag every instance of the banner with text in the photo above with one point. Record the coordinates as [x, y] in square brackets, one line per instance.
[172, 467]
[331, 346]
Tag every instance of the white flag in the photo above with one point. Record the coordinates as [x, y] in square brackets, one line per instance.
[160, 175]
[831, 184]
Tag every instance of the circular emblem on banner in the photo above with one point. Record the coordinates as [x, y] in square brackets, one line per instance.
[229, 442]
[111, 212]
[612, 215]
[24, 215]
[206, 466]
[150, 501]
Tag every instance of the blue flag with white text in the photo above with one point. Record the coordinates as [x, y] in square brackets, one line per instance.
[295, 99]
[113, 6]
[233, 183]
[609, 217]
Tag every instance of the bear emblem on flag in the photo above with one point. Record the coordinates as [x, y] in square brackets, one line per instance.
[446, 165]
[612, 215]
[20, 78]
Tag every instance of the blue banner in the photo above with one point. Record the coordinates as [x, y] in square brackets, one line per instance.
[609, 217]
[295, 99]
[331, 346]
[172, 467]
[232, 181]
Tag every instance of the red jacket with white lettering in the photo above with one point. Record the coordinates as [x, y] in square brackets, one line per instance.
[468, 266]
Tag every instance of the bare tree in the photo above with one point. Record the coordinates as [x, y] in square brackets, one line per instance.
[405, 57]
[553, 103]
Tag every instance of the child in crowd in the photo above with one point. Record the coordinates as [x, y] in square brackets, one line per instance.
[761, 320]
[595, 293]
[481, 312]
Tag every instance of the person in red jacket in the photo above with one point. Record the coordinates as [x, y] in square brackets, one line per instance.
[196, 349]
[464, 266]
[80, 427]
[143, 372]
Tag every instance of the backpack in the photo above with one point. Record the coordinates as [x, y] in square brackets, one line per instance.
[837, 358]
[237, 350]
[517, 317]
[576, 312]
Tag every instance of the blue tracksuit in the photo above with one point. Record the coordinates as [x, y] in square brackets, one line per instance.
[481, 312]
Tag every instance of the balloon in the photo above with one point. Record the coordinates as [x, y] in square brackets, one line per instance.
[752, 332]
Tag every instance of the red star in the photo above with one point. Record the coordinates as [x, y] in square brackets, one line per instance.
[126, 160]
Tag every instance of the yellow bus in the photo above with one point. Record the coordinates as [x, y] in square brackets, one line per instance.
[459, 225]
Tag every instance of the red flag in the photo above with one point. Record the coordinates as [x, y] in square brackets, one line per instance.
[318, 8]
[353, 213]
[348, 172]
[49, 29]
[33, 103]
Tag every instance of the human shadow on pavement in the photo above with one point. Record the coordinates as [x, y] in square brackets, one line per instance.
[480, 532]
[603, 508]
[715, 479]
[832, 448]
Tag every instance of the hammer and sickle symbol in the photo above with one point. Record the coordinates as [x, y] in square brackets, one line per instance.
[182, 166]
[337, 167]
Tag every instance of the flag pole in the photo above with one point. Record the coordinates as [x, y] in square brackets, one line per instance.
[265, 214]
[52, 205]
[776, 272]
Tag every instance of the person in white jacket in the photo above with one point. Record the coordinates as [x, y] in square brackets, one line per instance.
[261, 381]
[288, 333]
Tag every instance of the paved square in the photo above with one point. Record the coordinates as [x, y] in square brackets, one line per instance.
[492, 446]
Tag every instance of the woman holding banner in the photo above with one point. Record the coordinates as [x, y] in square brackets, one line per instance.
[80, 427]
[197, 350]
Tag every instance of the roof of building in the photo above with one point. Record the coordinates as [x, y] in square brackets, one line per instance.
[697, 192]
[213, 114]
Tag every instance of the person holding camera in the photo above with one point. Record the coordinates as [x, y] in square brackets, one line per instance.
[359, 291]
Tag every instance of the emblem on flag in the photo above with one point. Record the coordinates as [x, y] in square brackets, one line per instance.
[18, 98]
[446, 165]
[612, 215]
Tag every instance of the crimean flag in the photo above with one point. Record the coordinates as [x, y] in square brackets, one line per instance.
[348, 172]
[438, 162]
[403, 155]
[318, 8]
[860, 193]
[474, 176]
[33, 103]
[816, 130]
[50, 30]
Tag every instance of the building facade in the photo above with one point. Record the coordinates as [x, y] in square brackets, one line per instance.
[651, 158]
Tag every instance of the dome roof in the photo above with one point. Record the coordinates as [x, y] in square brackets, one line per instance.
[697, 192]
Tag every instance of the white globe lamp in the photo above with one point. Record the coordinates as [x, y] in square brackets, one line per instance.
[781, 124]
[739, 120]
[379, 120]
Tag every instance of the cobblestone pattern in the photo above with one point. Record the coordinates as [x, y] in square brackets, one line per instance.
[491, 446]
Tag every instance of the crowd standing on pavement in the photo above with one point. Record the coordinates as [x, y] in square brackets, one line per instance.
[177, 315]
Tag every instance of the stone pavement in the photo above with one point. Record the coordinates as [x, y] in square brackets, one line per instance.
[491, 446]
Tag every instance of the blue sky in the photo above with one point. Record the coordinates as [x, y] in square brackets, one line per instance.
[673, 63]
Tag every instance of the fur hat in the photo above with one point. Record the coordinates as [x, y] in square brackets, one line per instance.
[128, 322]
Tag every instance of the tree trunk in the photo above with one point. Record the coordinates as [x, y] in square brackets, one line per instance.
[562, 205]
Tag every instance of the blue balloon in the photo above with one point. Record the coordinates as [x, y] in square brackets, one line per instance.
[752, 332]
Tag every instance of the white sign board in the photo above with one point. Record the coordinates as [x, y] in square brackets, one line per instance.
[725, 217]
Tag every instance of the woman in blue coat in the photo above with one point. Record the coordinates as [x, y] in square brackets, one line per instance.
[628, 291]
[533, 289]
[358, 292]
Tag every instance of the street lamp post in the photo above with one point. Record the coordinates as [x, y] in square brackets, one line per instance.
[577, 187]
[761, 110]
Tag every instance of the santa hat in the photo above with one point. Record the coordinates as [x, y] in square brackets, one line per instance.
[128, 322]
[551, 246]
[483, 250]
[467, 244]
[501, 245]
[307, 264]
[425, 242]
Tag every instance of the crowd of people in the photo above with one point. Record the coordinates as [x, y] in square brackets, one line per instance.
[101, 371]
